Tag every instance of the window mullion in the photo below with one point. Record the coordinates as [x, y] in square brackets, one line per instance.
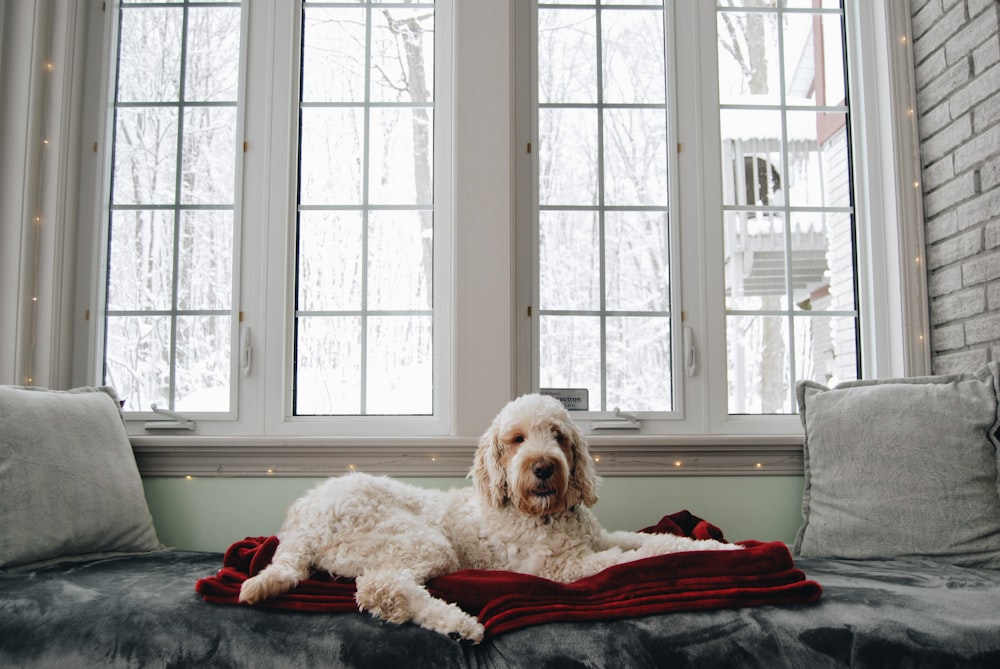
[365, 209]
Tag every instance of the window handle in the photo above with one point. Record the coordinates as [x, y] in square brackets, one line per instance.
[179, 422]
[620, 421]
[246, 351]
[690, 353]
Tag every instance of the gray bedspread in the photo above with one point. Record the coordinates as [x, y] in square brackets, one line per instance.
[144, 612]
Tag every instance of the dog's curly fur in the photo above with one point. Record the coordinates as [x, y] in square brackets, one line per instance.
[527, 511]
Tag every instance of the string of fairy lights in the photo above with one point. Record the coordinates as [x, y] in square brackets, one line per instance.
[44, 80]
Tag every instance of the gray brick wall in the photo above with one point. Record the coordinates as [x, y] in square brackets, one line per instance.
[956, 52]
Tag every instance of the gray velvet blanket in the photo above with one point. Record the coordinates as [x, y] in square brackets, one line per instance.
[143, 611]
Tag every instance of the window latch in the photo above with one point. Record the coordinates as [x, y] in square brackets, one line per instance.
[621, 421]
[179, 422]
[246, 351]
[690, 353]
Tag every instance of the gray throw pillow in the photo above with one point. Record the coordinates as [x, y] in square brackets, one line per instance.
[902, 467]
[69, 486]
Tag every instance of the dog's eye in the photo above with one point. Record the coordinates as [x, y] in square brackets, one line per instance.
[517, 439]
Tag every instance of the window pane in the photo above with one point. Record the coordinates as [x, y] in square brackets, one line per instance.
[213, 56]
[637, 251]
[137, 360]
[149, 54]
[758, 358]
[330, 171]
[567, 55]
[813, 165]
[832, 285]
[329, 272]
[402, 55]
[748, 58]
[141, 258]
[400, 260]
[834, 88]
[145, 156]
[571, 353]
[567, 156]
[632, 46]
[327, 366]
[204, 263]
[209, 169]
[203, 354]
[755, 261]
[639, 363]
[569, 260]
[335, 42]
[635, 157]
[401, 155]
[400, 374]
[752, 163]
[822, 262]
[814, 48]
[826, 349]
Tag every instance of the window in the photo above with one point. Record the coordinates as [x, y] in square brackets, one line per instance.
[364, 319]
[363, 250]
[629, 311]
[384, 219]
[604, 254]
[791, 306]
[169, 310]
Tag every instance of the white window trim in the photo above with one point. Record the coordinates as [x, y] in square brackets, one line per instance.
[886, 162]
[484, 317]
[278, 104]
[888, 211]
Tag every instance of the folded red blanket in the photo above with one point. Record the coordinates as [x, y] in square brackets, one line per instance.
[762, 573]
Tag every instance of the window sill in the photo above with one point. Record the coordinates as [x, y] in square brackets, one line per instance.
[189, 455]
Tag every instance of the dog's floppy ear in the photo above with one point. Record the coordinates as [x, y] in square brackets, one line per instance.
[583, 477]
[488, 476]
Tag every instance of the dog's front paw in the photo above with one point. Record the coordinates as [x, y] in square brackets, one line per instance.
[473, 633]
[269, 583]
[461, 626]
[251, 591]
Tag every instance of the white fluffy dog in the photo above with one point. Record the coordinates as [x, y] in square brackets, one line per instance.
[533, 480]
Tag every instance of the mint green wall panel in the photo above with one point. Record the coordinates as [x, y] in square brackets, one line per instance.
[209, 514]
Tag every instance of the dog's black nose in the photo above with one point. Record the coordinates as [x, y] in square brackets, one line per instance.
[542, 470]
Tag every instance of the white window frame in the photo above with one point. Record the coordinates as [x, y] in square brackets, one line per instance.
[891, 285]
[485, 360]
[526, 129]
[139, 418]
[277, 99]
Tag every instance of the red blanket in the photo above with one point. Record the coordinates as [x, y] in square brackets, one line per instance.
[762, 573]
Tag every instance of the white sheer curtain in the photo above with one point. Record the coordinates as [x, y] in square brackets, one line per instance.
[41, 53]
